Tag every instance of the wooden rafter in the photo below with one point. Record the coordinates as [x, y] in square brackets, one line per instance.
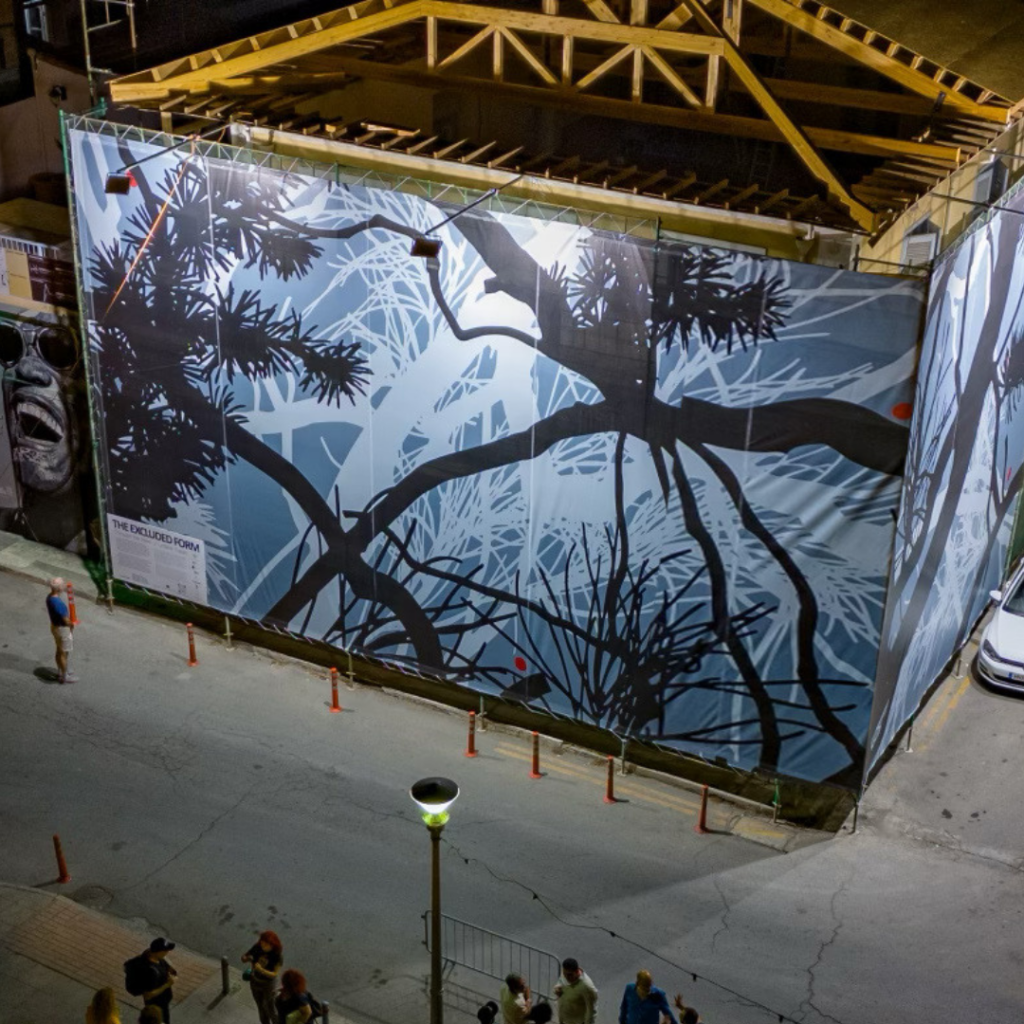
[881, 54]
[700, 58]
[793, 133]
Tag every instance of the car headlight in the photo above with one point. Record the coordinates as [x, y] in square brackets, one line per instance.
[988, 650]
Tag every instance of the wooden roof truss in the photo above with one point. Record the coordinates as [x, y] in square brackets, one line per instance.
[602, 57]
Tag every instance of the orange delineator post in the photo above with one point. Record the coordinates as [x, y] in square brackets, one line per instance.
[535, 762]
[470, 750]
[701, 828]
[335, 706]
[62, 866]
[71, 604]
[609, 791]
[192, 659]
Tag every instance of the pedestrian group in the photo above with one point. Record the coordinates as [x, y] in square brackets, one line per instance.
[576, 1001]
[151, 976]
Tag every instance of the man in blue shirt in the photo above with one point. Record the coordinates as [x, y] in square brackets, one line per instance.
[642, 1003]
[61, 628]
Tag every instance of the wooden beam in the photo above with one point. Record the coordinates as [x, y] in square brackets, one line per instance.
[289, 49]
[683, 183]
[603, 68]
[810, 92]
[525, 21]
[772, 200]
[643, 186]
[712, 83]
[589, 172]
[713, 190]
[669, 74]
[792, 132]
[498, 57]
[741, 196]
[732, 17]
[697, 119]
[796, 137]
[431, 43]
[567, 55]
[467, 47]
[676, 20]
[613, 180]
[499, 160]
[181, 74]
[600, 10]
[637, 85]
[527, 54]
[863, 53]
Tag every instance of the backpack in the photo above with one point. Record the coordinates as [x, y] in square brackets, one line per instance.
[315, 1006]
[134, 979]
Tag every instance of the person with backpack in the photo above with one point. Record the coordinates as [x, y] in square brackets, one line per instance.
[150, 975]
[295, 1003]
[264, 960]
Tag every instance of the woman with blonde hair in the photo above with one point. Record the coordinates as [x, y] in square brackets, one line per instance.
[103, 1008]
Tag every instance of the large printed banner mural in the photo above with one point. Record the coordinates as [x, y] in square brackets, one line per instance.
[649, 487]
[964, 468]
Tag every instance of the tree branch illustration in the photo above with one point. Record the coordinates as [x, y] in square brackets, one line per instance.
[771, 740]
[807, 618]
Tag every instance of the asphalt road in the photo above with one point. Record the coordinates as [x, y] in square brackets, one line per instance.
[217, 801]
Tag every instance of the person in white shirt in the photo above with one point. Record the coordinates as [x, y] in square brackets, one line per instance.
[576, 995]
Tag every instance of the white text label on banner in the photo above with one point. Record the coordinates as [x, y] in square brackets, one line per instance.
[158, 559]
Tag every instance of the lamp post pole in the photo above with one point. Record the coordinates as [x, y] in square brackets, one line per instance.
[433, 797]
[436, 1001]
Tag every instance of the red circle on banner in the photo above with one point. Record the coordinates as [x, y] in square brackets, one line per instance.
[520, 663]
[903, 410]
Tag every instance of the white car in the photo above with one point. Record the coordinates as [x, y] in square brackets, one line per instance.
[1000, 662]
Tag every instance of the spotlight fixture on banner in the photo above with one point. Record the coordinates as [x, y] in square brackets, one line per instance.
[426, 247]
[119, 182]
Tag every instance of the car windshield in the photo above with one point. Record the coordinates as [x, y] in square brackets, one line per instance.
[1014, 602]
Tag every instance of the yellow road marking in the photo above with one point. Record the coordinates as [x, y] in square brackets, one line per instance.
[578, 773]
[744, 828]
[947, 711]
[937, 703]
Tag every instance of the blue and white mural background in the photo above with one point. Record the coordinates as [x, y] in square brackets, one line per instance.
[964, 467]
[651, 487]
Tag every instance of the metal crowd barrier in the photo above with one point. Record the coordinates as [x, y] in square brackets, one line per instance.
[487, 952]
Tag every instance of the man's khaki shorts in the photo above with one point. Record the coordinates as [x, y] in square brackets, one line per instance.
[62, 638]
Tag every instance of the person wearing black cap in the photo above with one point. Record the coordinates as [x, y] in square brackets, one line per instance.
[158, 981]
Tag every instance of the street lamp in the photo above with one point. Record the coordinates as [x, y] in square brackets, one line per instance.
[433, 797]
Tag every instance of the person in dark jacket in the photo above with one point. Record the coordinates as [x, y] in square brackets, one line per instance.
[158, 979]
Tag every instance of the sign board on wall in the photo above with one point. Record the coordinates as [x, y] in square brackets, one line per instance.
[158, 559]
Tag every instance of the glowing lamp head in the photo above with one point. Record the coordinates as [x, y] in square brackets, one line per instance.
[433, 797]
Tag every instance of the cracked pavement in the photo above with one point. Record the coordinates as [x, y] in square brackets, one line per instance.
[218, 801]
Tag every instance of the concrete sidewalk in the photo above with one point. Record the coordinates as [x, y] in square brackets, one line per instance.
[39, 562]
[55, 953]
